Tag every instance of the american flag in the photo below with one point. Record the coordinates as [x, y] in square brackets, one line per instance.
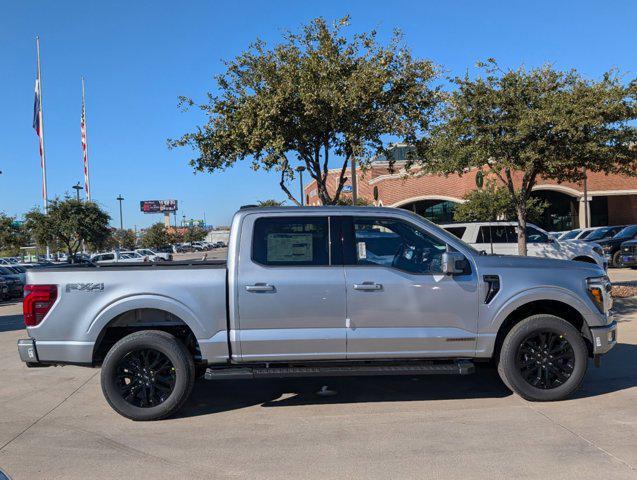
[87, 187]
[36, 114]
[37, 126]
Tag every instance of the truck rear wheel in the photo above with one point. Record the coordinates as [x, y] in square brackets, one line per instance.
[147, 375]
[543, 358]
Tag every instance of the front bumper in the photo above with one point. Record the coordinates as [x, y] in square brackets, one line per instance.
[628, 259]
[604, 338]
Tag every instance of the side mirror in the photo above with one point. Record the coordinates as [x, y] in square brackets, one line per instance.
[453, 263]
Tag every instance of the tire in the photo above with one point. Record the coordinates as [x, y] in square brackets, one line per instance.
[123, 378]
[526, 374]
[617, 259]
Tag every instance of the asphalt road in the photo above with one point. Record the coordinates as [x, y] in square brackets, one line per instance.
[55, 424]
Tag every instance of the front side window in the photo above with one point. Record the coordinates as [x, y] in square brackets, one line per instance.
[457, 231]
[396, 244]
[287, 241]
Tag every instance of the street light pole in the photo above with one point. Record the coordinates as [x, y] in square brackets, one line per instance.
[77, 189]
[121, 221]
[300, 169]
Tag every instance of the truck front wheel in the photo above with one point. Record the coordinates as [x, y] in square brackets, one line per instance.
[147, 375]
[543, 358]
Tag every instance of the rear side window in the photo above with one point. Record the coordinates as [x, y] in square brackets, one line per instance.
[457, 231]
[283, 241]
[497, 234]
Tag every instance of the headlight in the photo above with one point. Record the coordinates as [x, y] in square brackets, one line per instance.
[597, 289]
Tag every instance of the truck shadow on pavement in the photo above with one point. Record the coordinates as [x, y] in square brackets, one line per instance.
[618, 372]
[10, 323]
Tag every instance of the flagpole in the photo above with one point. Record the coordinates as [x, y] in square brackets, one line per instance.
[87, 182]
[41, 121]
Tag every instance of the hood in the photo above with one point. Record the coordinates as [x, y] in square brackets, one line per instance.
[630, 242]
[611, 241]
[518, 262]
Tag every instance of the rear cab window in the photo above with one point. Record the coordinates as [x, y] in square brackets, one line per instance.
[291, 241]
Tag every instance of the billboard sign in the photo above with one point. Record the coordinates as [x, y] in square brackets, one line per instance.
[158, 206]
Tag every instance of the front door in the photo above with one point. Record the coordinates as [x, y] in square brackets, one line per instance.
[399, 304]
[290, 290]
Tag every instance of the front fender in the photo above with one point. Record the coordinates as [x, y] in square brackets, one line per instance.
[558, 294]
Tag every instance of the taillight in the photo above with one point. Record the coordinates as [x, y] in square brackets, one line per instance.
[38, 300]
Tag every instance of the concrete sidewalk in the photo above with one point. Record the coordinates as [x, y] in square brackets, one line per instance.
[55, 424]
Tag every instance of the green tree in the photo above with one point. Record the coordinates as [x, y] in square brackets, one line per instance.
[522, 125]
[270, 203]
[494, 202]
[124, 239]
[12, 235]
[156, 236]
[194, 234]
[319, 93]
[69, 223]
[360, 201]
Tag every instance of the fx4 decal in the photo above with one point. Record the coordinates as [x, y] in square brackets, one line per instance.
[84, 287]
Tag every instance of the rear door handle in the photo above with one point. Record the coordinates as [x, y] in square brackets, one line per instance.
[368, 286]
[260, 288]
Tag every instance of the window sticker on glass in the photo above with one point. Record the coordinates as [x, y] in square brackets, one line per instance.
[362, 250]
[289, 247]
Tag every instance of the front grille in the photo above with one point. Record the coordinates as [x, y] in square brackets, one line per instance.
[629, 249]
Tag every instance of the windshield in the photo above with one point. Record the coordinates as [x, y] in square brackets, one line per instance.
[628, 232]
[570, 235]
[599, 233]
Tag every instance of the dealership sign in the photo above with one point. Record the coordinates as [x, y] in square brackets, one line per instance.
[158, 206]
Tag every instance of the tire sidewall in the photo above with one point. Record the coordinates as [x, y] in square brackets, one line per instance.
[167, 345]
[617, 259]
[508, 365]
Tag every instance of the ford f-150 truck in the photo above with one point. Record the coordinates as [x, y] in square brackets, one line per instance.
[320, 291]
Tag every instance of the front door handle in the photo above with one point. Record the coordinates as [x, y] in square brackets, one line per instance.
[263, 287]
[368, 286]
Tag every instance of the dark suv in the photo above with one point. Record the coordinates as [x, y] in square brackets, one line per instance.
[628, 254]
[611, 246]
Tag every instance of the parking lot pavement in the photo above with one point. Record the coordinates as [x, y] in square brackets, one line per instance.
[54, 423]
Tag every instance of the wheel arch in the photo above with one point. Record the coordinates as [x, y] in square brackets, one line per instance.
[144, 312]
[549, 306]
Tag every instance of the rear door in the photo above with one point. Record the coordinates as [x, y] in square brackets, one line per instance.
[399, 304]
[290, 289]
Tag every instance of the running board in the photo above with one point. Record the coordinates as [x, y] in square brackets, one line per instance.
[461, 367]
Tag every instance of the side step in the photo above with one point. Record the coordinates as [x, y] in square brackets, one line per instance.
[460, 367]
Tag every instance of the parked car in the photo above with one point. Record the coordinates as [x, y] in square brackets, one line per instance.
[154, 255]
[117, 257]
[611, 246]
[602, 233]
[502, 238]
[628, 255]
[13, 273]
[4, 289]
[320, 291]
[14, 285]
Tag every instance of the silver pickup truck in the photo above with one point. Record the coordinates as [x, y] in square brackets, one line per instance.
[320, 291]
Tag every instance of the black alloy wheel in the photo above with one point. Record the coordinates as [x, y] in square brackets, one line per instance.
[543, 358]
[546, 360]
[145, 377]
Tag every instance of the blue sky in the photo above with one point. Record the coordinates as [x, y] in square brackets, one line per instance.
[137, 57]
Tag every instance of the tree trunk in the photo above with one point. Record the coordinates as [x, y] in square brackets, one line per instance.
[521, 212]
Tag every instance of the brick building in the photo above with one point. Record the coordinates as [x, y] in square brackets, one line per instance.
[612, 199]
